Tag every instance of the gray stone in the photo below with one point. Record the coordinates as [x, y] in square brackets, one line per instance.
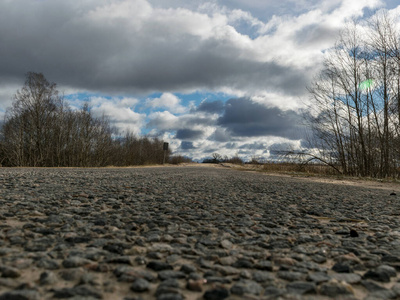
[48, 264]
[170, 296]
[74, 274]
[377, 275]
[140, 285]
[246, 287]
[334, 289]
[262, 276]
[9, 272]
[216, 294]
[188, 269]
[342, 268]
[168, 274]
[318, 277]
[21, 295]
[47, 277]
[264, 265]
[217, 279]
[291, 276]
[226, 270]
[159, 266]
[390, 271]
[372, 286]
[301, 287]
[351, 278]
[75, 261]
[80, 290]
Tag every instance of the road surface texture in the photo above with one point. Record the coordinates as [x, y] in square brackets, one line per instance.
[194, 233]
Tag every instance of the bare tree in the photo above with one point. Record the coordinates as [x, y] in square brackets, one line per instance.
[41, 130]
[355, 99]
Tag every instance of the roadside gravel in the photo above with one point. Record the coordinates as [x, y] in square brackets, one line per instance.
[194, 233]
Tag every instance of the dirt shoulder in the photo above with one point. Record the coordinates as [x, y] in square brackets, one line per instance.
[338, 180]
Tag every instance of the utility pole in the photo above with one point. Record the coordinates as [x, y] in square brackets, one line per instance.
[165, 148]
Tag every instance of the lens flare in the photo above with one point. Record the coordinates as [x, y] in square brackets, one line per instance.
[366, 84]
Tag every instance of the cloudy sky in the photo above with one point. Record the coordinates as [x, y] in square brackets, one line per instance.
[226, 76]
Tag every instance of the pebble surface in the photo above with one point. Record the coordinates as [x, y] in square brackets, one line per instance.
[193, 233]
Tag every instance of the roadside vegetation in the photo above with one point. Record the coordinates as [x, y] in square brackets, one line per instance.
[42, 130]
[354, 112]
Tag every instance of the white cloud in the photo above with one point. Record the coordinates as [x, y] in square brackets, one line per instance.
[120, 111]
[167, 101]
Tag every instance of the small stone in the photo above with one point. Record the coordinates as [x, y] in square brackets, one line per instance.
[335, 289]
[140, 260]
[72, 274]
[245, 274]
[390, 259]
[75, 261]
[48, 264]
[115, 248]
[216, 294]
[80, 290]
[8, 282]
[262, 276]
[21, 295]
[167, 274]
[160, 247]
[353, 233]
[284, 261]
[291, 276]
[227, 261]
[89, 278]
[173, 258]
[273, 292]
[341, 268]
[264, 265]
[47, 277]
[140, 285]
[351, 278]
[390, 271]
[396, 288]
[393, 194]
[246, 287]
[318, 277]
[243, 263]
[170, 296]
[301, 287]
[318, 259]
[226, 270]
[121, 260]
[188, 269]
[377, 275]
[196, 285]
[226, 244]
[159, 266]
[372, 286]
[9, 272]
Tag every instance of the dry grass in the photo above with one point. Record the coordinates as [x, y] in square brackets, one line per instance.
[309, 169]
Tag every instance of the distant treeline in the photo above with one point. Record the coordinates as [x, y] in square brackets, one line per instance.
[41, 130]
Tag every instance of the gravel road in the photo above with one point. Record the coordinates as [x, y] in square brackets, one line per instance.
[194, 233]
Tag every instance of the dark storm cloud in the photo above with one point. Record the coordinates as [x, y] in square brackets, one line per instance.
[185, 145]
[211, 106]
[253, 146]
[246, 118]
[76, 45]
[220, 135]
[188, 134]
[279, 148]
